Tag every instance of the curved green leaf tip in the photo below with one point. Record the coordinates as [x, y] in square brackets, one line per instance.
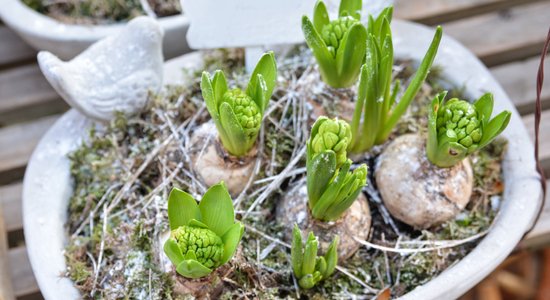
[457, 128]
[332, 187]
[309, 268]
[238, 114]
[203, 236]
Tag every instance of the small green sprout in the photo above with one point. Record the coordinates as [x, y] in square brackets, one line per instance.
[376, 112]
[338, 45]
[457, 128]
[309, 268]
[238, 114]
[203, 236]
[331, 186]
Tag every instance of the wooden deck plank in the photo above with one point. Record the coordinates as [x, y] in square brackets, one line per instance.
[544, 146]
[23, 90]
[501, 37]
[542, 228]
[22, 277]
[10, 200]
[6, 289]
[13, 49]
[432, 12]
[519, 80]
[18, 141]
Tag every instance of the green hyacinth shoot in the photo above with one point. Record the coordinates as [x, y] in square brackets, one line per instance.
[332, 186]
[238, 114]
[203, 236]
[338, 45]
[457, 128]
[377, 110]
[309, 268]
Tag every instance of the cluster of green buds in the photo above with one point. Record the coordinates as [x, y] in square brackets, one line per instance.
[457, 128]
[338, 45]
[376, 112]
[202, 236]
[309, 268]
[237, 114]
[331, 186]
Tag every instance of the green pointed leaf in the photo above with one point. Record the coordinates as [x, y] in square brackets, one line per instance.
[297, 257]
[198, 224]
[320, 16]
[321, 265]
[182, 208]
[190, 255]
[231, 240]
[449, 153]
[350, 54]
[173, 251]
[320, 171]
[217, 210]
[208, 95]
[335, 211]
[192, 269]
[432, 143]
[371, 119]
[310, 255]
[235, 140]
[326, 62]
[331, 257]
[484, 107]
[351, 8]
[307, 281]
[414, 86]
[387, 13]
[261, 93]
[358, 110]
[267, 67]
[495, 127]
[219, 85]
[329, 195]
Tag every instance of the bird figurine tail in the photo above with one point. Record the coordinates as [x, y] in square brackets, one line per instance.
[115, 74]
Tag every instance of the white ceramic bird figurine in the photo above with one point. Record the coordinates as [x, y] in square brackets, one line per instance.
[114, 74]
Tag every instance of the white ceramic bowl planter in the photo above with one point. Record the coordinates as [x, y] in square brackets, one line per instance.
[47, 184]
[67, 40]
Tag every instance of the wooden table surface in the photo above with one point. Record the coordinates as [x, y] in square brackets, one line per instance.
[507, 35]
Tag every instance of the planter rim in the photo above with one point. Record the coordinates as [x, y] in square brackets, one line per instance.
[45, 197]
[17, 15]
